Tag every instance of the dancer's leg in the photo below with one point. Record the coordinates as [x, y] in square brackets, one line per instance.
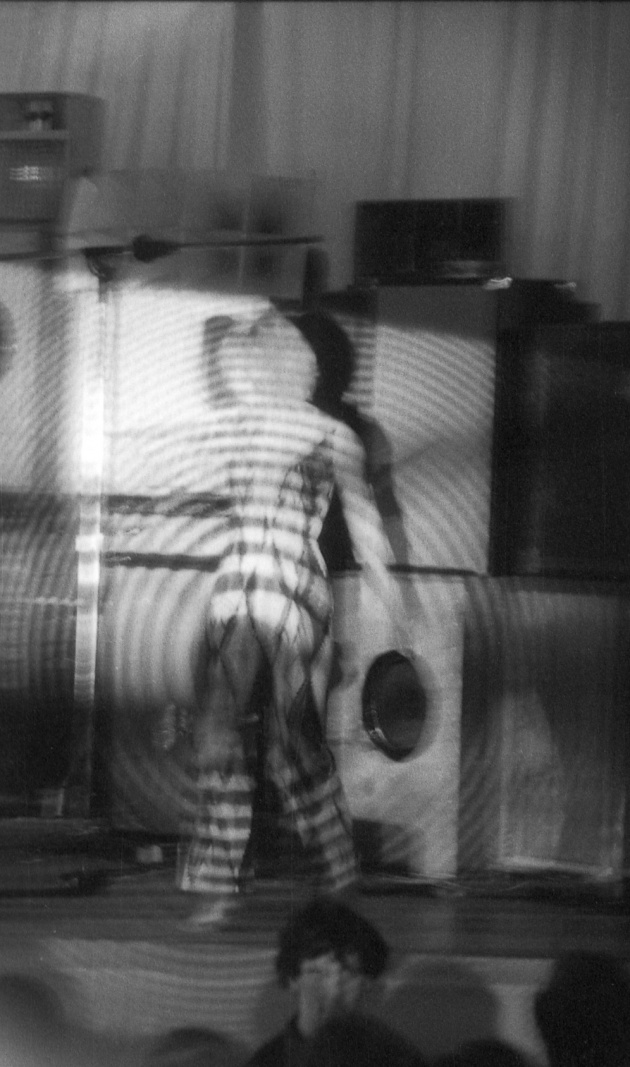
[302, 767]
[226, 782]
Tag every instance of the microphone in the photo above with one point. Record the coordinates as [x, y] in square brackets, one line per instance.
[101, 251]
[143, 248]
[146, 248]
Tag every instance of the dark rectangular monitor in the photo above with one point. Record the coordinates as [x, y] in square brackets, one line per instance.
[415, 242]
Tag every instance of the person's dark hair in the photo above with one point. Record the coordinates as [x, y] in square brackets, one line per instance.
[334, 353]
[583, 1015]
[329, 926]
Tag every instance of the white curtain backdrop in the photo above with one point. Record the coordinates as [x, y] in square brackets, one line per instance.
[163, 70]
[529, 101]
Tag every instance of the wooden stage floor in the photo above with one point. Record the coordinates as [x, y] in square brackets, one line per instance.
[79, 881]
[524, 919]
[111, 931]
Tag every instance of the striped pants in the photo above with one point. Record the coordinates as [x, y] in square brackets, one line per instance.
[296, 760]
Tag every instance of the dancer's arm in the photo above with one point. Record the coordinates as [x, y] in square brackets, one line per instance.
[369, 541]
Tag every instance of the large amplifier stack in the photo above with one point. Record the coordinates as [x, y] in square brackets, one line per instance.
[507, 405]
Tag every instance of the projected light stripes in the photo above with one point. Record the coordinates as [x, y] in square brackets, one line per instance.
[434, 396]
[143, 987]
[21, 294]
[426, 373]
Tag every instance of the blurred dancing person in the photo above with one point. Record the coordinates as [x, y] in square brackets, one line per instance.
[274, 459]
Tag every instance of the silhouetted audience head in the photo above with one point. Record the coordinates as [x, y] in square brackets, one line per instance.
[491, 1052]
[357, 1041]
[327, 954]
[190, 1046]
[33, 1026]
[329, 927]
[583, 1015]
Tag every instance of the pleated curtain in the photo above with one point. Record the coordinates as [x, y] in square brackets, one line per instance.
[523, 100]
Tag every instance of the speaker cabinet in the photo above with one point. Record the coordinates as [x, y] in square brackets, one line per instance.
[427, 376]
[45, 334]
[38, 530]
[546, 686]
[39, 734]
[415, 242]
[405, 810]
[25, 408]
[561, 498]
[433, 395]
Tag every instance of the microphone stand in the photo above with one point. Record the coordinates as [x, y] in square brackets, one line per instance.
[146, 249]
[95, 364]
